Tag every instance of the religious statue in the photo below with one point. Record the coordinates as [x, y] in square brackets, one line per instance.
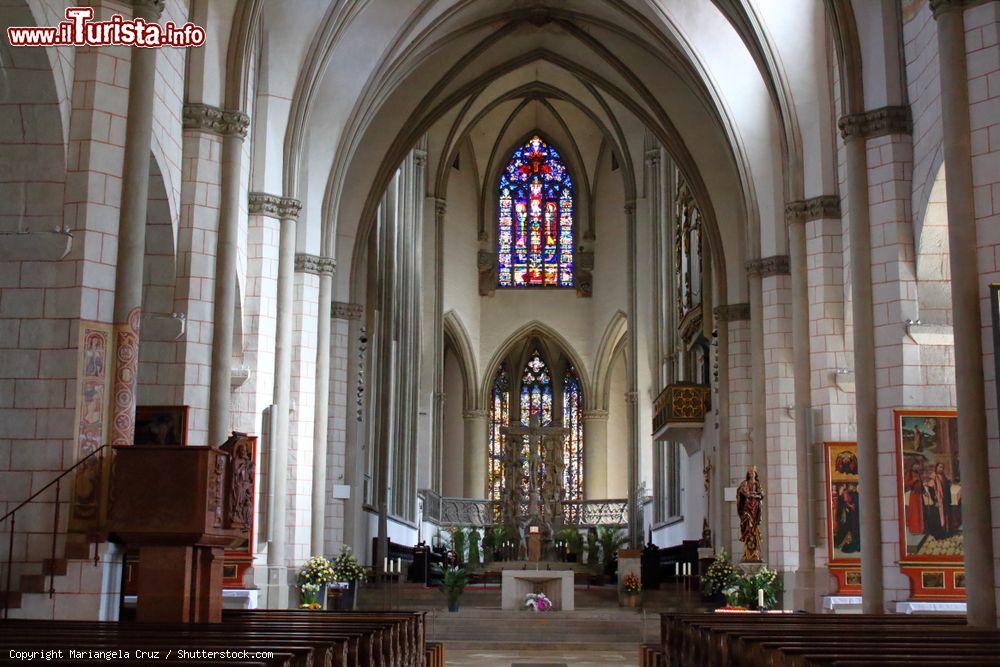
[749, 503]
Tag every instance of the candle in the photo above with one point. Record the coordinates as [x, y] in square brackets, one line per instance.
[385, 564]
[760, 598]
[677, 569]
[399, 566]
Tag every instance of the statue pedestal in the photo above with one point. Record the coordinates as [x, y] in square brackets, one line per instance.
[750, 568]
[534, 547]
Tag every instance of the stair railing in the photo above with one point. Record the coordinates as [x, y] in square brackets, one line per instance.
[99, 452]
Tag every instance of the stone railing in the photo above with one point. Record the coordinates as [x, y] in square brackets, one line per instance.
[681, 403]
[445, 511]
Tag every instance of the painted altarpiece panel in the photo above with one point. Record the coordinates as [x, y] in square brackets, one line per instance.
[843, 515]
[930, 503]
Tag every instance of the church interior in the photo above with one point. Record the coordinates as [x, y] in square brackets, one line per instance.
[373, 332]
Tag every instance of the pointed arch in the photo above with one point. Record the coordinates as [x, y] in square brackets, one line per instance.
[548, 336]
[456, 335]
[611, 341]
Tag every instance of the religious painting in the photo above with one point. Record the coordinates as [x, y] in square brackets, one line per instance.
[93, 389]
[843, 506]
[160, 425]
[930, 503]
[931, 493]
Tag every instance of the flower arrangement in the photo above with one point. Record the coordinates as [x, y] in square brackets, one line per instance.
[537, 602]
[453, 582]
[317, 570]
[631, 584]
[308, 599]
[346, 566]
[721, 574]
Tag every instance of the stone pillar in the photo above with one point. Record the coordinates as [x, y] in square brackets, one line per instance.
[437, 435]
[757, 449]
[595, 454]
[966, 317]
[632, 373]
[277, 581]
[853, 128]
[132, 231]
[324, 266]
[796, 215]
[475, 460]
[233, 125]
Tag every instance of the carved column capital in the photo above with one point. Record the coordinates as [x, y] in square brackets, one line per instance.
[939, 7]
[223, 122]
[777, 265]
[595, 415]
[631, 397]
[824, 207]
[261, 203]
[419, 157]
[440, 206]
[306, 263]
[346, 311]
[629, 208]
[475, 414]
[733, 312]
[876, 123]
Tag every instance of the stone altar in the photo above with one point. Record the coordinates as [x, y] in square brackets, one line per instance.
[556, 584]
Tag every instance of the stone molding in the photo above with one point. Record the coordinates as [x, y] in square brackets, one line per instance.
[631, 397]
[346, 311]
[630, 208]
[939, 7]
[213, 119]
[273, 206]
[440, 206]
[876, 123]
[824, 207]
[306, 263]
[419, 157]
[776, 265]
[733, 312]
[475, 414]
[595, 414]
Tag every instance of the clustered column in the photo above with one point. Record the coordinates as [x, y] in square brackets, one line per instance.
[476, 432]
[595, 454]
[324, 266]
[966, 317]
[132, 231]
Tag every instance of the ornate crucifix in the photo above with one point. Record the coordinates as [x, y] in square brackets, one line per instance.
[542, 451]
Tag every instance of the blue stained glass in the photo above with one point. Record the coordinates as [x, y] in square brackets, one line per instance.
[535, 219]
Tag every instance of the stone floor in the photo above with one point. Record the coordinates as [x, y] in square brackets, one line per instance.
[540, 658]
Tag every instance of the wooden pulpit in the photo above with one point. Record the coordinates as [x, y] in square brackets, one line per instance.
[182, 506]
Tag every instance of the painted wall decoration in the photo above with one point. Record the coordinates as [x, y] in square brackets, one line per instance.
[843, 515]
[930, 503]
[94, 368]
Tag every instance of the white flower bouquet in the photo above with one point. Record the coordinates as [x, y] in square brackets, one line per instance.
[537, 601]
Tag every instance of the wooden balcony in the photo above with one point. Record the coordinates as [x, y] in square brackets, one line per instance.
[681, 406]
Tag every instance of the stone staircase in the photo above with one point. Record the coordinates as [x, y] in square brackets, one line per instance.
[29, 596]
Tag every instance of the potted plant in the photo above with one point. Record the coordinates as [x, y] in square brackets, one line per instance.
[453, 582]
[347, 569]
[489, 544]
[593, 547]
[314, 576]
[611, 540]
[631, 590]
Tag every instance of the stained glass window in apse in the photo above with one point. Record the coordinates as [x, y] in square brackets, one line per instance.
[535, 224]
[573, 444]
[499, 418]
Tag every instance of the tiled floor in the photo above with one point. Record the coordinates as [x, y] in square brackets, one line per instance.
[539, 658]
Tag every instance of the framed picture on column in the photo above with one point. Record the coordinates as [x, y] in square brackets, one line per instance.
[995, 310]
[843, 515]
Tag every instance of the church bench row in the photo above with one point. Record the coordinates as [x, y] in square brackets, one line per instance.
[651, 655]
[305, 638]
[801, 639]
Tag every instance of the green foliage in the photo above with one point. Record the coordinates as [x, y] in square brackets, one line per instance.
[453, 583]
[474, 547]
[593, 547]
[742, 592]
[488, 543]
[458, 542]
[611, 540]
[573, 539]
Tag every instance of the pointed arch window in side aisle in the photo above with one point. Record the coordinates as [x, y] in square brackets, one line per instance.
[535, 220]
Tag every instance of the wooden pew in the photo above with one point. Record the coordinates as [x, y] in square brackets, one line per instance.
[651, 655]
[434, 654]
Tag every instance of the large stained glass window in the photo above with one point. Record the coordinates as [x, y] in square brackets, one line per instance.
[535, 230]
[536, 391]
[572, 403]
[499, 418]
